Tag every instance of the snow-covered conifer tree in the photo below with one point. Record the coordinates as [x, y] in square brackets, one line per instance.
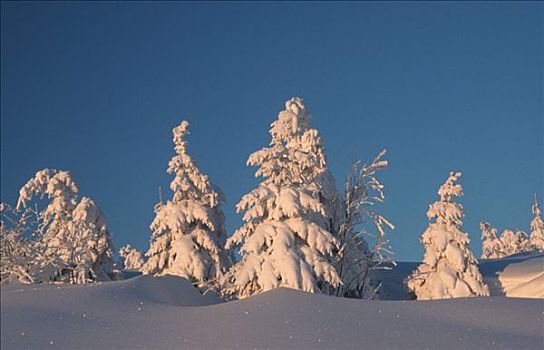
[75, 241]
[491, 244]
[92, 247]
[285, 241]
[449, 268]
[132, 258]
[188, 231]
[537, 228]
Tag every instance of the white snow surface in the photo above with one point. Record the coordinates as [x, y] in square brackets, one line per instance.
[167, 312]
[524, 279]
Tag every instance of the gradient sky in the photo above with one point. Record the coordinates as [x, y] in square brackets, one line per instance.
[95, 88]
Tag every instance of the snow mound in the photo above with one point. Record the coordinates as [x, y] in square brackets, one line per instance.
[169, 290]
[146, 312]
[524, 279]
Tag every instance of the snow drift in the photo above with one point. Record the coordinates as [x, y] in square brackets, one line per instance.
[524, 279]
[168, 312]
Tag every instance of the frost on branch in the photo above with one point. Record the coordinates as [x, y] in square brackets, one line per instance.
[449, 268]
[75, 245]
[356, 208]
[188, 231]
[16, 253]
[132, 258]
[286, 239]
[537, 228]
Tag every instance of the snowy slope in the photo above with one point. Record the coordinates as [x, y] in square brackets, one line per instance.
[167, 312]
[524, 279]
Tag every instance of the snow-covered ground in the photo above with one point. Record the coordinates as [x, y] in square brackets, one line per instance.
[167, 312]
[524, 279]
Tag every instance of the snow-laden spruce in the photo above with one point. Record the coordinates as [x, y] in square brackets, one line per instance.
[188, 231]
[131, 257]
[449, 268]
[537, 228]
[491, 244]
[285, 241]
[92, 244]
[355, 260]
[296, 156]
[74, 244]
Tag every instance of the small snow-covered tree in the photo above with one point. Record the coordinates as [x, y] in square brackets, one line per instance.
[188, 231]
[92, 247]
[75, 243]
[537, 228]
[491, 244]
[62, 191]
[355, 259]
[132, 258]
[449, 268]
[507, 244]
[285, 241]
[513, 243]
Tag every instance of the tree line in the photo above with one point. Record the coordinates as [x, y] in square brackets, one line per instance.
[298, 230]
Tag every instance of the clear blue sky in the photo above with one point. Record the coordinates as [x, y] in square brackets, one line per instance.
[95, 88]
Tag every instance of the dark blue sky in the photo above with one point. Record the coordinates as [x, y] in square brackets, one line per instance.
[95, 88]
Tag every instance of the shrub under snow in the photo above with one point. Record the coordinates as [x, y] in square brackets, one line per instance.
[75, 245]
[132, 258]
[513, 242]
[507, 244]
[16, 251]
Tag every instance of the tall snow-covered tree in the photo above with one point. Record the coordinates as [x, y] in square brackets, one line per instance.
[132, 258]
[449, 268]
[537, 228]
[356, 260]
[491, 244]
[75, 243]
[285, 241]
[188, 231]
